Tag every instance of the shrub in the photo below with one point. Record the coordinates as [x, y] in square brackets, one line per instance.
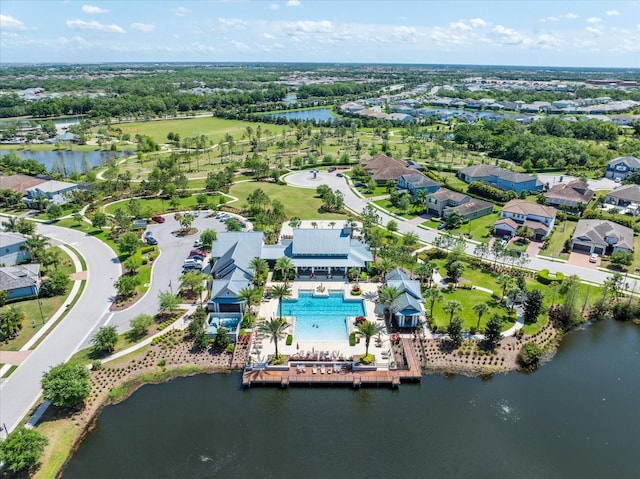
[230, 348]
[21, 450]
[352, 339]
[96, 365]
[162, 363]
[530, 355]
[545, 277]
[360, 320]
[289, 339]
[366, 359]
[355, 290]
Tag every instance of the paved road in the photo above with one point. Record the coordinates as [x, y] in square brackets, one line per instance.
[354, 202]
[20, 390]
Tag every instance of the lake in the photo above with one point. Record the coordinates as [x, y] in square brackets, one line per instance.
[576, 417]
[319, 115]
[66, 162]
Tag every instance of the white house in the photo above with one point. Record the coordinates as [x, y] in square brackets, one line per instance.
[517, 213]
[53, 190]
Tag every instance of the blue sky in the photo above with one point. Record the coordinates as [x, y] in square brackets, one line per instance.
[553, 33]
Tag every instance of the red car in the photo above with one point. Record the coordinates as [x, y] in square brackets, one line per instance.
[197, 252]
[158, 219]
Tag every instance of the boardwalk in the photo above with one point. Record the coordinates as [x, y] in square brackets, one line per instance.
[345, 376]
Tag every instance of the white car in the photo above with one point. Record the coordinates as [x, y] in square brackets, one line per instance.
[593, 258]
[197, 244]
[192, 264]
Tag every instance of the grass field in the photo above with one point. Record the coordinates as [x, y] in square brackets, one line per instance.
[158, 205]
[479, 229]
[562, 231]
[299, 202]
[468, 298]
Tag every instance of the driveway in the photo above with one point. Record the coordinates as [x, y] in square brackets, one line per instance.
[599, 184]
[582, 259]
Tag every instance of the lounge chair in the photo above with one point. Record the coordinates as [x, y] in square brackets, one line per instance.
[322, 369]
[303, 368]
[314, 370]
[329, 371]
[337, 368]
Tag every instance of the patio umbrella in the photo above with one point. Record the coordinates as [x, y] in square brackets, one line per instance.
[297, 345]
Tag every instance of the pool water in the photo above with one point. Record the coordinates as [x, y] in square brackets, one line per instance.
[230, 324]
[321, 318]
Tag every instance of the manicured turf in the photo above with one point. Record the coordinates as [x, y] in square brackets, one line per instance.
[299, 202]
[158, 205]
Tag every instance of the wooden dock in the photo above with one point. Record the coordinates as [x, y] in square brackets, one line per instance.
[345, 377]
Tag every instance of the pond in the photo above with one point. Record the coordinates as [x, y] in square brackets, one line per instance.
[320, 115]
[576, 417]
[66, 162]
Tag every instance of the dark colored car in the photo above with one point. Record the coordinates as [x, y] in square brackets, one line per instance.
[442, 226]
[151, 240]
[198, 253]
[339, 175]
[158, 219]
[332, 168]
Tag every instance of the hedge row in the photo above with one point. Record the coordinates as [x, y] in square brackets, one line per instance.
[545, 277]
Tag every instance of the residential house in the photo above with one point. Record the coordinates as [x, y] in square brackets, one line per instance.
[12, 249]
[500, 178]
[569, 195]
[415, 182]
[19, 183]
[444, 202]
[621, 167]
[407, 310]
[601, 237]
[625, 199]
[56, 192]
[400, 117]
[383, 168]
[20, 281]
[516, 213]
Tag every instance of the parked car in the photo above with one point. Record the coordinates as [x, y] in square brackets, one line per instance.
[332, 169]
[198, 253]
[148, 233]
[339, 175]
[197, 244]
[503, 243]
[158, 218]
[191, 263]
[442, 226]
[151, 240]
[593, 258]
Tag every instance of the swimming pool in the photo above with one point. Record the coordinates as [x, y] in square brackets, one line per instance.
[321, 318]
[230, 323]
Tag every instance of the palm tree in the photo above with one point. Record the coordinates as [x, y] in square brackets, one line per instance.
[281, 291]
[425, 271]
[35, 246]
[385, 265]
[285, 266]
[353, 273]
[505, 281]
[452, 307]
[432, 295]
[260, 269]
[389, 295]
[410, 239]
[275, 328]
[512, 294]
[250, 295]
[366, 330]
[480, 309]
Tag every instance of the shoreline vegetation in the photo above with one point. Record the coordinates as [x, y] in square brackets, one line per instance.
[115, 381]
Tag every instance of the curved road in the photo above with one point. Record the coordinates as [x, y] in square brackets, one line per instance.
[352, 201]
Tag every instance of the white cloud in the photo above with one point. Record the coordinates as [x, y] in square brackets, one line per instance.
[143, 27]
[550, 19]
[235, 23]
[267, 36]
[82, 25]
[240, 45]
[570, 16]
[293, 3]
[478, 22]
[594, 20]
[594, 30]
[10, 23]
[612, 13]
[180, 11]
[76, 41]
[274, 6]
[93, 9]
[308, 26]
[459, 26]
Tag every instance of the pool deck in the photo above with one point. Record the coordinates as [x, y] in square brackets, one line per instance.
[292, 376]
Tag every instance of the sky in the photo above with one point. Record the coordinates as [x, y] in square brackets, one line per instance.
[517, 32]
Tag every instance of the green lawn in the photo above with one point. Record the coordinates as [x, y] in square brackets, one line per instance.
[299, 202]
[479, 229]
[101, 234]
[158, 205]
[562, 231]
[33, 322]
[468, 298]
[386, 204]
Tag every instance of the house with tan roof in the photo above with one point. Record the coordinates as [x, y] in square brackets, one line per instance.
[516, 213]
[383, 168]
[569, 195]
[19, 183]
[601, 237]
[444, 202]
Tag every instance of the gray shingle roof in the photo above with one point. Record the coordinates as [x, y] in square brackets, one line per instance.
[576, 191]
[631, 161]
[485, 171]
[595, 231]
[19, 276]
[627, 193]
[9, 239]
[419, 180]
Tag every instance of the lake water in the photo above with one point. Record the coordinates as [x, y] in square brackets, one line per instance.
[66, 162]
[318, 115]
[576, 417]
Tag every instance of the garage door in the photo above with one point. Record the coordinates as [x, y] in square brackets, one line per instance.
[581, 247]
[500, 232]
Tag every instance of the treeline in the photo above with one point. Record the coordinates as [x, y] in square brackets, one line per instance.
[507, 139]
[335, 89]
